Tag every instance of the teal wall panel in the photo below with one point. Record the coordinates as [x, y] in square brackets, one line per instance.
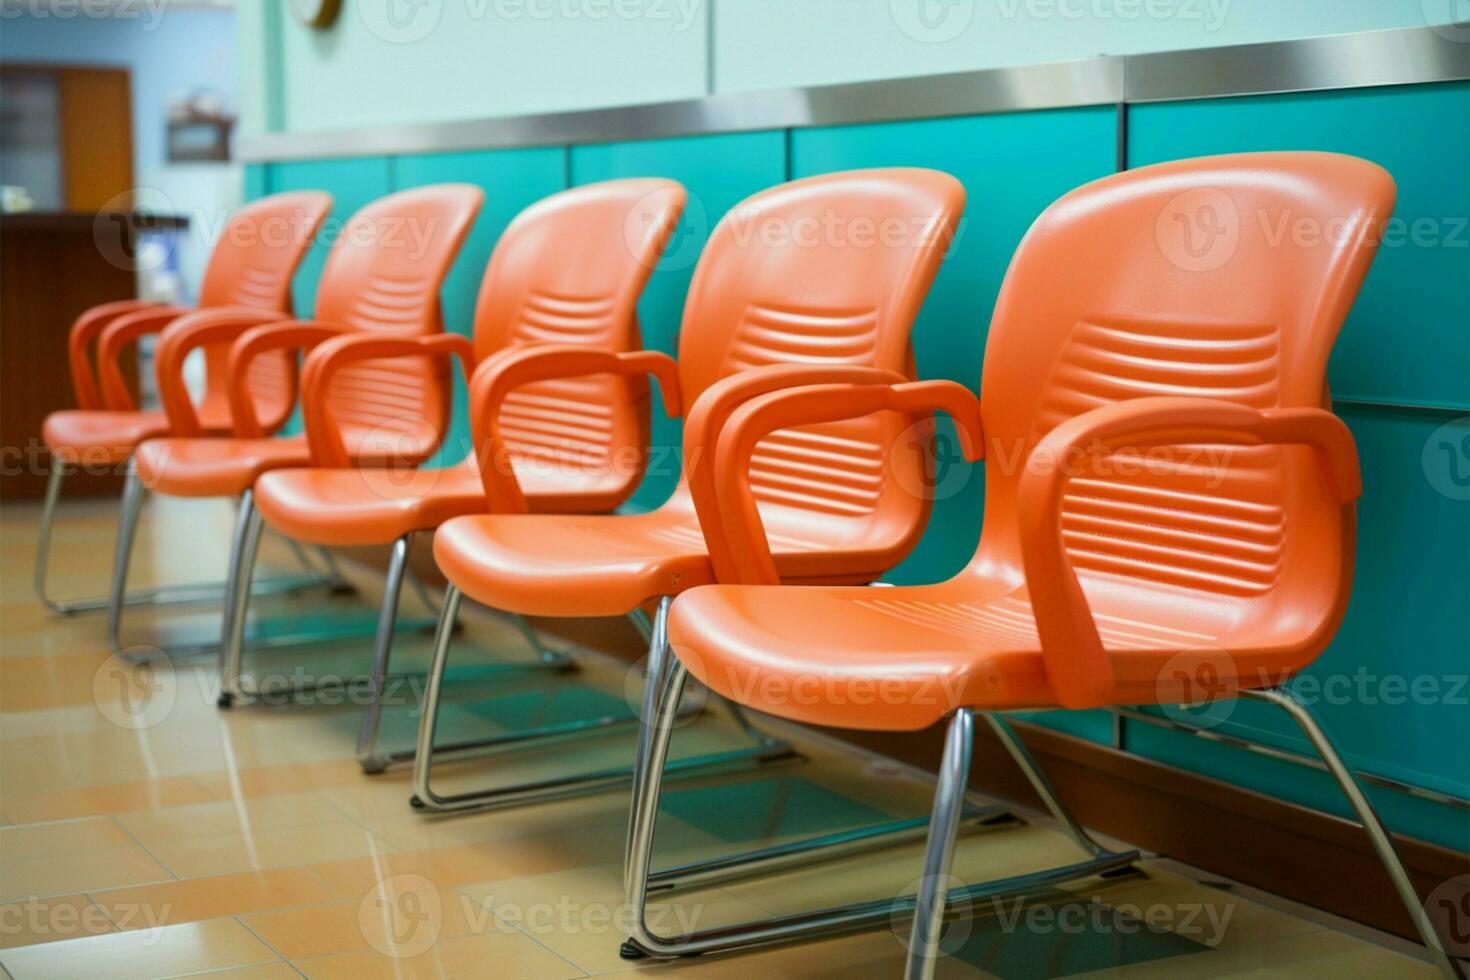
[512, 180]
[257, 180]
[1008, 183]
[1408, 337]
[1406, 342]
[1392, 687]
[719, 172]
[352, 184]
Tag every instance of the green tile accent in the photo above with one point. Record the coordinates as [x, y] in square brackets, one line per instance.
[1012, 165]
[1061, 935]
[554, 705]
[719, 171]
[513, 180]
[768, 810]
[1407, 339]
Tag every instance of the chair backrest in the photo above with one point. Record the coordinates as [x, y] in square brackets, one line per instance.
[569, 270]
[383, 275]
[260, 249]
[1222, 277]
[825, 270]
[251, 265]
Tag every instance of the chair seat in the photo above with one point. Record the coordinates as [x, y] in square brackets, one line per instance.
[900, 659]
[377, 506]
[100, 437]
[215, 467]
[611, 564]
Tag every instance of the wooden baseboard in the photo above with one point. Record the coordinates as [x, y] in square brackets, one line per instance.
[1302, 854]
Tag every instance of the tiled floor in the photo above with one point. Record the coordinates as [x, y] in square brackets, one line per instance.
[145, 833]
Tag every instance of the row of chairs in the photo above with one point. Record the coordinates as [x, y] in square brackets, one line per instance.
[1169, 511]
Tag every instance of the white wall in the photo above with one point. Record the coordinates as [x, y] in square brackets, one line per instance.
[400, 61]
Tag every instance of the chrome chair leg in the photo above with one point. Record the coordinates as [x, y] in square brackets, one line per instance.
[127, 533]
[243, 553]
[372, 714]
[949, 797]
[1034, 774]
[43, 539]
[1382, 843]
[802, 925]
[767, 749]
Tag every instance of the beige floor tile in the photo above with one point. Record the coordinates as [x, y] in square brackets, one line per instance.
[451, 867]
[168, 952]
[279, 847]
[266, 817]
[229, 816]
[261, 971]
[103, 800]
[66, 837]
[377, 921]
[65, 874]
[505, 956]
[196, 899]
[50, 920]
[265, 780]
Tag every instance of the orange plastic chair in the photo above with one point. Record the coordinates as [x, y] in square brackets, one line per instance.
[383, 277]
[249, 272]
[774, 301]
[568, 270]
[1169, 508]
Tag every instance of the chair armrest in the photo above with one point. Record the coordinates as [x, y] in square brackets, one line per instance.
[79, 342]
[186, 334]
[707, 419]
[1078, 667]
[124, 330]
[507, 370]
[745, 534]
[285, 335]
[323, 434]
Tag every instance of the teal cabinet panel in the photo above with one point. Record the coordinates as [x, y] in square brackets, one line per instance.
[352, 184]
[1392, 687]
[512, 180]
[257, 180]
[1407, 339]
[1012, 165]
[719, 172]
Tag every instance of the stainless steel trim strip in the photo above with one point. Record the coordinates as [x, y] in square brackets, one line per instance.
[1391, 57]
[1404, 56]
[1092, 82]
